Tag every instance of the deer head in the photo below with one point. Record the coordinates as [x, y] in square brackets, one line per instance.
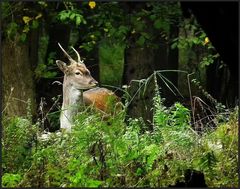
[76, 73]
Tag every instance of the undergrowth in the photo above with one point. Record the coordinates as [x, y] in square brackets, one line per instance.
[119, 152]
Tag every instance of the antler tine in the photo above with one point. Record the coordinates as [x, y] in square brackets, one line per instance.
[78, 55]
[69, 57]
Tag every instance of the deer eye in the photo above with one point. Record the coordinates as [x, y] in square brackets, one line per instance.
[78, 73]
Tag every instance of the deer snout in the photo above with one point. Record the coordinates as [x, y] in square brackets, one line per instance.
[93, 82]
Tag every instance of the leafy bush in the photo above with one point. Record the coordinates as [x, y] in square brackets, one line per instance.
[219, 160]
[117, 153]
[18, 138]
[10, 180]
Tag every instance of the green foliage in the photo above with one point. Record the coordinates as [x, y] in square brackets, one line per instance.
[44, 70]
[18, 137]
[219, 160]
[195, 38]
[12, 29]
[107, 21]
[111, 60]
[209, 59]
[117, 153]
[11, 180]
[101, 25]
[111, 21]
[153, 22]
[71, 16]
[18, 20]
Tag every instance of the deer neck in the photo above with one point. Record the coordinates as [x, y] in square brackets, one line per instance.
[71, 95]
[71, 100]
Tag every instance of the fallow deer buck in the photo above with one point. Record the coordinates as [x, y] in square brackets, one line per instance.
[76, 79]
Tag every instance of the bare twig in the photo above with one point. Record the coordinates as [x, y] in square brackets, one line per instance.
[57, 82]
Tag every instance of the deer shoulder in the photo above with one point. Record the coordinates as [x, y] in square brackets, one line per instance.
[102, 99]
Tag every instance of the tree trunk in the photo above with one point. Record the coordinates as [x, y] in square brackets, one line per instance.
[140, 63]
[18, 79]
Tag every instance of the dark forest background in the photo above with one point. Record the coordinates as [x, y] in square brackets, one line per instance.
[192, 46]
[123, 41]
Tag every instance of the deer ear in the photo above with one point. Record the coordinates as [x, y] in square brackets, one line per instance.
[62, 65]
